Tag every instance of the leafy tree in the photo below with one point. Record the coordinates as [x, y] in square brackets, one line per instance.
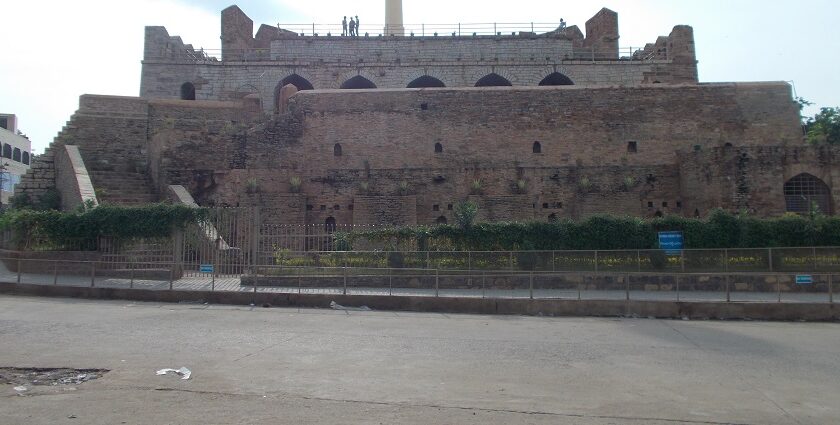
[824, 128]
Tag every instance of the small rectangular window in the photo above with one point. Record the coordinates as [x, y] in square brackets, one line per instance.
[632, 147]
[650, 204]
[450, 207]
[664, 205]
[436, 208]
[323, 207]
[310, 207]
[679, 204]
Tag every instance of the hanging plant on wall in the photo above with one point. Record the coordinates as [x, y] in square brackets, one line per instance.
[521, 186]
[476, 187]
[252, 186]
[404, 188]
[295, 184]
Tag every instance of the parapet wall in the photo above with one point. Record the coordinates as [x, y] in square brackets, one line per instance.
[260, 65]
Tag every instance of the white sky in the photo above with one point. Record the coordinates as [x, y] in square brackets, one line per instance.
[54, 51]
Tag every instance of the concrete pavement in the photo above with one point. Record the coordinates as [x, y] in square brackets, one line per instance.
[254, 365]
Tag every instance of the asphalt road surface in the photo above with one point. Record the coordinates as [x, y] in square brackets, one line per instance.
[256, 365]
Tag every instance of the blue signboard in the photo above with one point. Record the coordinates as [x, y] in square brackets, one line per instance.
[206, 268]
[804, 279]
[671, 242]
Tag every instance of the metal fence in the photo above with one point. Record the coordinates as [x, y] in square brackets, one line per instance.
[424, 282]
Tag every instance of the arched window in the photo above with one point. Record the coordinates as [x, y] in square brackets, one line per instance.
[425, 82]
[337, 149]
[16, 155]
[556, 79]
[805, 192]
[297, 81]
[442, 220]
[358, 82]
[330, 225]
[187, 91]
[537, 147]
[26, 158]
[7, 151]
[493, 80]
[438, 148]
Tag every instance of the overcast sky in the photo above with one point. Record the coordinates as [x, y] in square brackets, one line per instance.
[54, 51]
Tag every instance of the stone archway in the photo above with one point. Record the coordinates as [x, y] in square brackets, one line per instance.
[805, 192]
[187, 91]
[493, 80]
[556, 79]
[358, 83]
[426, 81]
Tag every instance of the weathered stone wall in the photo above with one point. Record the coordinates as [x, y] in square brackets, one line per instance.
[388, 170]
[752, 178]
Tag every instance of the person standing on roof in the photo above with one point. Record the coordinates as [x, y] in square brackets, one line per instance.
[358, 27]
[344, 27]
[352, 27]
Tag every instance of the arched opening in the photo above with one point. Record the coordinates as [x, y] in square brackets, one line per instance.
[556, 79]
[337, 149]
[26, 158]
[16, 155]
[658, 214]
[187, 91]
[537, 147]
[298, 81]
[330, 225]
[806, 193]
[493, 80]
[426, 82]
[442, 220]
[438, 148]
[7, 151]
[358, 82]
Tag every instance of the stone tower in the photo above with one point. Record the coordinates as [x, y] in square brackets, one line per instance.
[394, 18]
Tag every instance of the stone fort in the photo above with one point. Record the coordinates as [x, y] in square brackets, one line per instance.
[399, 128]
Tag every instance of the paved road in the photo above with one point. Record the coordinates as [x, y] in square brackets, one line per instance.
[328, 367]
[232, 283]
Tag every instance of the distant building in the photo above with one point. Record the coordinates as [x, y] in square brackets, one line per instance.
[15, 156]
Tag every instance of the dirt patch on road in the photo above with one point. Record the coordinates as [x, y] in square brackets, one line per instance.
[48, 377]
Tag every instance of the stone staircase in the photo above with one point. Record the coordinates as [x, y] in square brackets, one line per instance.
[122, 188]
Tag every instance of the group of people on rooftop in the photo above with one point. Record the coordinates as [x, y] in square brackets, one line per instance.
[353, 30]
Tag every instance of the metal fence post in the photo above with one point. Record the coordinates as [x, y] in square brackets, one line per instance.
[728, 290]
[677, 278]
[831, 288]
[770, 258]
[213, 277]
[531, 285]
[437, 282]
[55, 273]
[779, 287]
[390, 282]
[596, 262]
[131, 275]
[627, 287]
[345, 279]
[18, 270]
[93, 274]
[171, 277]
[483, 286]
